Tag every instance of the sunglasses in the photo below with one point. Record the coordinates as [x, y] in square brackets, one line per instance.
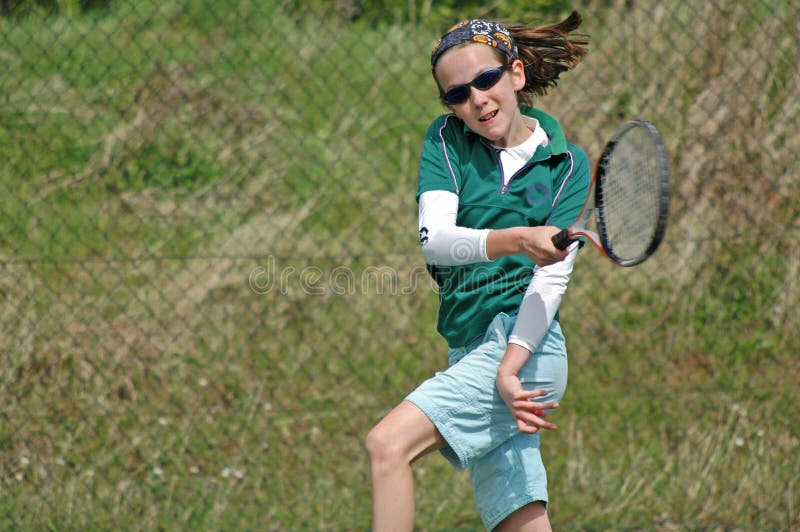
[483, 81]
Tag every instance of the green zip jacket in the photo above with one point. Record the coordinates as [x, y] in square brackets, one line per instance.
[549, 190]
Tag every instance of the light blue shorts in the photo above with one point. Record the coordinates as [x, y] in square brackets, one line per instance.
[505, 465]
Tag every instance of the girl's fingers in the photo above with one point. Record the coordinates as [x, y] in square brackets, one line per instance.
[530, 414]
[529, 394]
[533, 420]
[527, 429]
[532, 406]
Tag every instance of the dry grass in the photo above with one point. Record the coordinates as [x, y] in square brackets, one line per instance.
[147, 385]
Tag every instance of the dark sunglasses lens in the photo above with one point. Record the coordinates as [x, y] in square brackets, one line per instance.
[457, 95]
[483, 81]
[488, 79]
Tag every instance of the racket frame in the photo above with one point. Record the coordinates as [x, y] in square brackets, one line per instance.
[594, 196]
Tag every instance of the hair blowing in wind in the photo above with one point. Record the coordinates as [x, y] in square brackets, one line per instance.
[547, 51]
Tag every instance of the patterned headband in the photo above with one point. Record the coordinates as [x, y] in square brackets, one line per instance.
[476, 30]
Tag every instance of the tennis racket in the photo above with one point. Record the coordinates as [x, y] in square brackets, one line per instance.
[629, 194]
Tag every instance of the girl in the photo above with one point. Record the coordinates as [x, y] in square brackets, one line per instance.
[497, 179]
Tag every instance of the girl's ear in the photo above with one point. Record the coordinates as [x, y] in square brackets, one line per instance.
[518, 75]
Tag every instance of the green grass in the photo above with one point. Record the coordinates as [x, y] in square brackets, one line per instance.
[159, 156]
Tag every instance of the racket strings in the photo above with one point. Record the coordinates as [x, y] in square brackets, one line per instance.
[629, 201]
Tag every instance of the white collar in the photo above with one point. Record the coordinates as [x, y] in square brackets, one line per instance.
[527, 148]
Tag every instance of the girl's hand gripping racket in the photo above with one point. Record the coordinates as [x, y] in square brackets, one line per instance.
[629, 194]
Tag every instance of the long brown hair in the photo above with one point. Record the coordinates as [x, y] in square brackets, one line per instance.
[546, 52]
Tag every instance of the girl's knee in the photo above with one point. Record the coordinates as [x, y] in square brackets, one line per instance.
[374, 441]
[402, 436]
[382, 448]
[379, 439]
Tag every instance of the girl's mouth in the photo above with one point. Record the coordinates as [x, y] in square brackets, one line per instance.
[487, 117]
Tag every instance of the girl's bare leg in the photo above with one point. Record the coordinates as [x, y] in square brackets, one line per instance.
[404, 435]
[530, 518]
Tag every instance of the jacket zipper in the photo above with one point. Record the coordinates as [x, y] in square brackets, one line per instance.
[505, 186]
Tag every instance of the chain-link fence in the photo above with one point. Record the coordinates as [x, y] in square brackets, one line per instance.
[212, 286]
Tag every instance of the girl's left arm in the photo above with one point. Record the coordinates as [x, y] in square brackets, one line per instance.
[530, 415]
[536, 313]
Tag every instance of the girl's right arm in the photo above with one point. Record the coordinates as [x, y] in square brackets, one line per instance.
[447, 244]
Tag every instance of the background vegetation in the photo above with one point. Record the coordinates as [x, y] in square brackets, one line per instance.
[212, 288]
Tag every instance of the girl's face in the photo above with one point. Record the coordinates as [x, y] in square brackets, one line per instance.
[494, 113]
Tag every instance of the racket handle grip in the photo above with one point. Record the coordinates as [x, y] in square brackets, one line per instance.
[562, 240]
